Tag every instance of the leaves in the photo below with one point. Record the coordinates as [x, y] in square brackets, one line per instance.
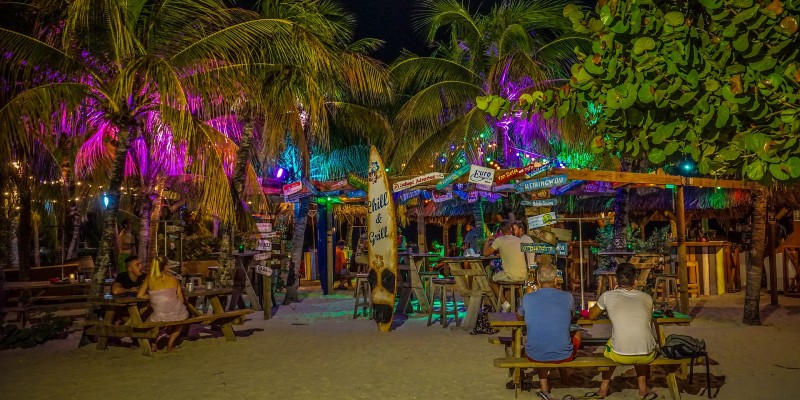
[642, 44]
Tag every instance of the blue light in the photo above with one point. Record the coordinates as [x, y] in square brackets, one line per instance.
[106, 200]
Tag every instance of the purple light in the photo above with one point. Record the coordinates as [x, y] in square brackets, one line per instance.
[280, 173]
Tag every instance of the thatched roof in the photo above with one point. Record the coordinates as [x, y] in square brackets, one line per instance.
[709, 200]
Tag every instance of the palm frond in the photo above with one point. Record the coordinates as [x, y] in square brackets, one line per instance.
[416, 73]
[435, 15]
[363, 121]
[431, 108]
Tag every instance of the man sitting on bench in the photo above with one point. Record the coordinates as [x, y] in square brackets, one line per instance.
[632, 341]
[548, 314]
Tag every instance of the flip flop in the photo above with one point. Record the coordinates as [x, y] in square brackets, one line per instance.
[650, 396]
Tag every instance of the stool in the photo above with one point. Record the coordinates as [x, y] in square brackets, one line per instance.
[667, 284]
[444, 286]
[363, 296]
[606, 280]
[574, 273]
[427, 279]
[512, 288]
[693, 284]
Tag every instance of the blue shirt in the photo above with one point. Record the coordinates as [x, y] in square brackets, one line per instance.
[548, 315]
[472, 238]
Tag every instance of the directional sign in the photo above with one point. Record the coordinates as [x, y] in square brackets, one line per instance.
[566, 188]
[263, 270]
[264, 226]
[452, 177]
[264, 245]
[539, 203]
[538, 248]
[409, 195]
[531, 169]
[409, 183]
[503, 188]
[541, 183]
[482, 175]
[357, 181]
[262, 256]
[562, 249]
[292, 188]
[442, 197]
[356, 194]
[268, 235]
[538, 221]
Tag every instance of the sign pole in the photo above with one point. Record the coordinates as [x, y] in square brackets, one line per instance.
[580, 249]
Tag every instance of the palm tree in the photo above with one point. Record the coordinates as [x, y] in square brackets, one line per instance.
[181, 61]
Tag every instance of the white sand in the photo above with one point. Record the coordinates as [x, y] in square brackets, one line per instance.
[316, 350]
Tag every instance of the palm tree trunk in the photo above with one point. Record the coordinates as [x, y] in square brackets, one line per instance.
[36, 221]
[292, 280]
[144, 232]
[76, 232]
[24, 232]
[4, 232]
[237, 188]
[13, 252]
[477, 214]
[155, 216]
[756, 266]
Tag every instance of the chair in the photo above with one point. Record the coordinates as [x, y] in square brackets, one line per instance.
[667, 286]
[512, 288]
[363, 296]
[444, 286]
[606, 280]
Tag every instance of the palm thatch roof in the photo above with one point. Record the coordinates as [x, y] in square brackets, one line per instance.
[705, 200]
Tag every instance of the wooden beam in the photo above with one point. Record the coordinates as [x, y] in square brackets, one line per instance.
[619, 177]
[683, 275]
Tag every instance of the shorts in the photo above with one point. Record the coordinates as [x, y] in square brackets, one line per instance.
[501, 276]
[576, 344]
[626, 359]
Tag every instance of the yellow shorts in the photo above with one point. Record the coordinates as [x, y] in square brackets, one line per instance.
[628, 360]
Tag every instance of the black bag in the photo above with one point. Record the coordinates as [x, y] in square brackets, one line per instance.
[678, 347]
[482, 326]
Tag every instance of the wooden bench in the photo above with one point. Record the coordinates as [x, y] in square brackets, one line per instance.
[24, 311]
[599, 362]
[508, 342]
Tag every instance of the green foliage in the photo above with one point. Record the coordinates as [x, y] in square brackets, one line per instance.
[48, 328]
[719, 84]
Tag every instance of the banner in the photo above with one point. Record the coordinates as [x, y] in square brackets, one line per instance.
[538, 221]
[452, 177]
[539, 203]
[538, 248]
[541, 183]
[531, 169]
[409, 183]
[481, 175]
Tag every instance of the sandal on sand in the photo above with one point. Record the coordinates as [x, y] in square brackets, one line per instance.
[592, 395]
[544, 396]
[650, 396]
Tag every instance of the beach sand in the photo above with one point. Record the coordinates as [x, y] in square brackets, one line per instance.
[314, 349]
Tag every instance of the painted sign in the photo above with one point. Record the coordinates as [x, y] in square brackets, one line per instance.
[338, 184]
[442, 197]
[382, 237]
[268, 235]
[482, 175]
[356, 194]
[566, 188]
[461, 194]
[357, 181]
[292, 188]
[540, 170]
[503, 188]
[532, 169]
[452, 177]
[539, 203]
[538, 248]
[262, 256]
[263, 270]
[409, 195]
[473, 197]
[409, 183]
[598, 187]
[480, 186]
[264, 245]
[541, 183]
[562, 249]
[264, 226]
[538, 221]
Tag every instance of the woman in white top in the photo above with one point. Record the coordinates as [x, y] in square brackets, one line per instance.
[166, 298]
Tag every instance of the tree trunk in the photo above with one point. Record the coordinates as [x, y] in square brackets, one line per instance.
[144, 232]
[477, 213]
[13, 251]
[756, 267]
[35, 222]
[237, 189]
[24, 232]
[292, 280]
[4, 232]
[155, 216]
[620, 239]
[108, 239]
[76, 232]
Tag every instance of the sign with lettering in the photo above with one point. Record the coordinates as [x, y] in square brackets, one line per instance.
[503, 188]
[541, 220]
[409, 183]
[452, 177]
[268, 235]
[539, 203]
[538, 248]
[263, 270]
[538, 171]
[264, 245]
[382, 236]
[357, 181]
[292, 188]
[566, 188]
[409, 195]
[481, 175]
[356, 194]
[442, 197]
[473, 197]
[541, 183]
[264, 226]
[562, 249]
[598, 187]
[531, 169]
[338, 184]
[262, 256]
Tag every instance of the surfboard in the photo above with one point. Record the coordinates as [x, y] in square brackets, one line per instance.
[382, 237]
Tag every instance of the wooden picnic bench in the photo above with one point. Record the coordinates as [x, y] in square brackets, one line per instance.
[472, 284]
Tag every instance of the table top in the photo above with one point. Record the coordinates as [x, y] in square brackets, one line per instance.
[407, 254]
[40, 285]
[460, 259]
[122, 301]
[509, 319]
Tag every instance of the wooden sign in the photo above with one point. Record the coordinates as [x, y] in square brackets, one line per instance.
[442, 197]
[264, 245]
[531, 170]
[541, 220]
[263, 270]
[562, 249]
[356, 194]
[262, 256]
[268, 235]
[598, 187]
[357, 181]
[473, 197]
[486, 188]
[538, 248]
[541, 183]
[539, 203]
[264, 226]
[452, 177]
[566, 188]
[409, 195]
[292, 188]
[409, 183]
[503, 188]
[481, 175]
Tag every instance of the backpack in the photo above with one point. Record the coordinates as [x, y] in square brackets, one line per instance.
[482, 326]
[678, 347]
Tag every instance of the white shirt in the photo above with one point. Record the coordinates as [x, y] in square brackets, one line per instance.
[530, 257]
[512, 256]
[631, 312]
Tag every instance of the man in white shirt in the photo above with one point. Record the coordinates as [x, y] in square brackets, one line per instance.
[508, 245]
[632, 341]
[521, 232]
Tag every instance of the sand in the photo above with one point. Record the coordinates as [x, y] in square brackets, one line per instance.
[315, 349]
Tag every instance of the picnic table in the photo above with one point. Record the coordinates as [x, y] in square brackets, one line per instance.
[140, 330]
[472, 283]
[45, 295]
[411, 282]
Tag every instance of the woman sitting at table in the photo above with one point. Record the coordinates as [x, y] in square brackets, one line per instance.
[166, 298]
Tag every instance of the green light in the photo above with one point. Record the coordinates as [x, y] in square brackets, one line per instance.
[669, 186]
[387, 169]
[488, 158]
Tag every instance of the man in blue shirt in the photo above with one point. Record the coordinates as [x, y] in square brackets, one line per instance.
[471, 238]
[548, 314]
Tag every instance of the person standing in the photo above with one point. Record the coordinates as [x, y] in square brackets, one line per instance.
[127, 245]
[632, 341]
[508, 245]
[471, 238]
[548, 314]
[340, 266]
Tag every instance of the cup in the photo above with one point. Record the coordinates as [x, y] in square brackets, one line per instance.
[506, 306]
[209, 285]
[190, 286]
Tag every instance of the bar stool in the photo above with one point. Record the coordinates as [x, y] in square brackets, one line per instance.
[444, 286]
[363, 296]
[574, 266]
[667, 285]
[606, 280]
[427, 279]
[693, 284]
[513, 288]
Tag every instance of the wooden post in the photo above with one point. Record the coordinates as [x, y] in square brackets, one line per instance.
[421, 225]
[446, 234]
[329, 249]
[266, 296]
[772, 228]
[683, 275]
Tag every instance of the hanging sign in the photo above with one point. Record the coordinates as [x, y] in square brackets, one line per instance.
[473, 197]
[541, 183]
[262, 256]
[540, 170]
[356, 194]
[532, 169]
[263, 270]
[566, 188]
[292, 188]
[539, 203]
[338, 184]
[452, 177]
[409, 183]
[562, 249]
[541, 220]
[461, 194]
[409, 195]
[538, 248]
[264, 245]
[264, 226]
[357, 181]
[503, 188]
[268, 235]
[481, 175]
[442, 197]
[598, 187]
[487, 188]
